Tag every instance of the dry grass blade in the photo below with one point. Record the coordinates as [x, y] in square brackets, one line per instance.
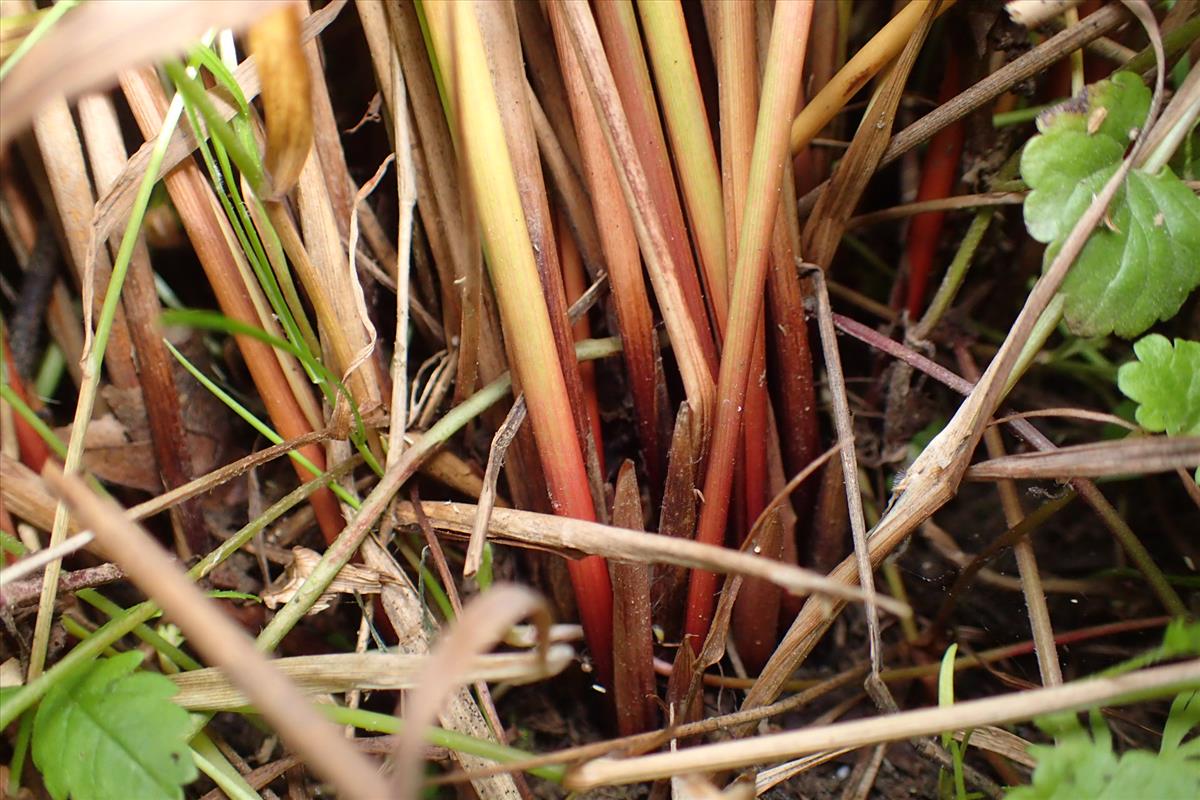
[40, 558]
[1008, 708]
[335, 673]
[487, 498]
[62, 156]
[482, 624]
[1095, 460]
[275, 43]
[221, 641]
[1027, 565]
[411, 622]
[106, 149]
[573, 537]
[96, 41]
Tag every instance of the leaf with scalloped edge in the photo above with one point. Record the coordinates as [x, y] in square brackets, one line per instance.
[105, 731]
[1139, 266]
[1165, 382]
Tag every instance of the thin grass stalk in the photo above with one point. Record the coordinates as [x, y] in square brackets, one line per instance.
[666, 35]
[278, 297]
[618, 29]
[781, 84]
[452, 239]
[514, 275]
[321, 261]
[694, 350]
[1012, 707]
[618, 241]
[1031, 582]
[575, 284]
[209, 234]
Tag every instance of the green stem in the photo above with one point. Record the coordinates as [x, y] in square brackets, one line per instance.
[440, 737]
[1134, 548]
[146, 634]
[212, 762]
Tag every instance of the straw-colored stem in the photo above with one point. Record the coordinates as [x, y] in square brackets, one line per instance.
[518, 289]
[737, 72]
[93, 363]
[1027, 566]
[172, 450]
[618, 29]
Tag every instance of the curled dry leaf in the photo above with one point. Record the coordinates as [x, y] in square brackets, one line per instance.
[352, 579]
[276, 45]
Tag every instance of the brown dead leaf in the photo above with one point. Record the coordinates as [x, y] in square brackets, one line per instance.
[352, 579]
[633, 642]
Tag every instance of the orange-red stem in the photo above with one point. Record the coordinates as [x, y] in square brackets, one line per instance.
[938, 175]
